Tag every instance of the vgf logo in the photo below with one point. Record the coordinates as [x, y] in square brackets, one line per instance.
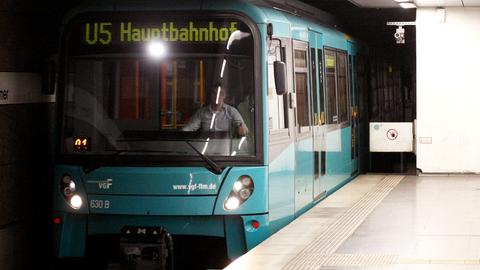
[105, 184]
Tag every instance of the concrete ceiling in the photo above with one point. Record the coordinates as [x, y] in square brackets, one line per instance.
[419, 3]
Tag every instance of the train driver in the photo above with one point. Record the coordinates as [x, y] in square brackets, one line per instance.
[217, 116]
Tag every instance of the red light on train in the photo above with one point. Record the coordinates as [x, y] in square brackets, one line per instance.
[57, 221]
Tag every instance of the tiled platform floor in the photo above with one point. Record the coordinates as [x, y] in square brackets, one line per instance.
[424, 222]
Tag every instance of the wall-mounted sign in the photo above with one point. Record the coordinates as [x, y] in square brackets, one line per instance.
[22, 87]
[391, 137]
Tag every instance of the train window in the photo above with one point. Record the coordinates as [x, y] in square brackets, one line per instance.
[314, 86]
[129, 103]
[300, 59]
[301, 88]
[342, 86]
[277, 104]
[320, 83]
[330, 85]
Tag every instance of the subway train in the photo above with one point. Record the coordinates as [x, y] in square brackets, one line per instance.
[199, 122]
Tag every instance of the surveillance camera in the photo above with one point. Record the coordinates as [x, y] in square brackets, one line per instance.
[399, 35]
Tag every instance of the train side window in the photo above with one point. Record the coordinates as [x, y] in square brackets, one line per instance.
[301, 88]
[277, 104]
[313, 64]
[342, 86]
[330, 85]
[322, 89]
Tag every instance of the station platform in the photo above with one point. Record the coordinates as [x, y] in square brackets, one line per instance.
[381, 222]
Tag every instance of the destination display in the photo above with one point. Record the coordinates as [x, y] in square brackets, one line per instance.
[106, 33]
[129, 33]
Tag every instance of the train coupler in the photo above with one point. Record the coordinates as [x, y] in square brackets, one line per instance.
[145, 248]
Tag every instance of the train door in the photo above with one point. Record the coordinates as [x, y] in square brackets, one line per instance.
[281, 150]
[322, 104]
[315, 41]
[304, 158]
[353, 93]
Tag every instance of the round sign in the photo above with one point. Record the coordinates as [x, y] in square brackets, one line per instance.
[392, 134]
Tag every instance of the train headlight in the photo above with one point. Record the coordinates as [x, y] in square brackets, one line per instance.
[68, 187]
[241, 191]
[232, 203]
[76, 202]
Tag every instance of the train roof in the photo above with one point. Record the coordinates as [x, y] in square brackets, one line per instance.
[254, 8]
[291, 12]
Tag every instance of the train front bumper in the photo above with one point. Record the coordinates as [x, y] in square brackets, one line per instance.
[77, 234]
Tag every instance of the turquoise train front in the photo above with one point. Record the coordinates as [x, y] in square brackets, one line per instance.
[133, 75]
[182, 200]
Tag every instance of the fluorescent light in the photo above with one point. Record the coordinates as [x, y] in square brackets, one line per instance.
[407, 5]
[402, 1]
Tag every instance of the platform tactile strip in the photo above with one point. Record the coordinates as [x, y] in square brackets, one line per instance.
[320, 251]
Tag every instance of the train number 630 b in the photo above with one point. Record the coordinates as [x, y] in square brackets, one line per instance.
[99, 204]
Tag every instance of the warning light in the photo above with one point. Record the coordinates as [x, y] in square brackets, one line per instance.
[255, 224]
[81, 144]
[57, 221]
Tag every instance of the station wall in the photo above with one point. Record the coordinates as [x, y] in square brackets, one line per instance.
[448, 90]
[26, 132]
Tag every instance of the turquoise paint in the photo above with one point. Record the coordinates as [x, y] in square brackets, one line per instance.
[303, 173]
[154, 181]
[281, 177]
[281, 26]
[254, 236]
[280, 29]
[70, 235]
[254, 13]
[176, 225]
[258, 200]
[299, 33]
[154, 205]
[337, 157]
[234, 234]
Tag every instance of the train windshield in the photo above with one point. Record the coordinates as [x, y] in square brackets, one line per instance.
[159, 86]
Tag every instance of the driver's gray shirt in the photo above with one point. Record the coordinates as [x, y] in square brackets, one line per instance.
[225, 118]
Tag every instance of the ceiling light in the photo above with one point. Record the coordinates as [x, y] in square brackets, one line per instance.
[407, 5]
[402, 1]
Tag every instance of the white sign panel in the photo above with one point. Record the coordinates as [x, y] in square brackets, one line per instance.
[391, 137]
[22, 87]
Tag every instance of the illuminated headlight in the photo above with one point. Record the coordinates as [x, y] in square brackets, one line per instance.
[232, 203]
[76, 202]
[241, 191]
[69, 189]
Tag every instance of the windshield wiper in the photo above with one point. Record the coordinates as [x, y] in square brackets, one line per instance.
[88, 168]
[215, 168]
